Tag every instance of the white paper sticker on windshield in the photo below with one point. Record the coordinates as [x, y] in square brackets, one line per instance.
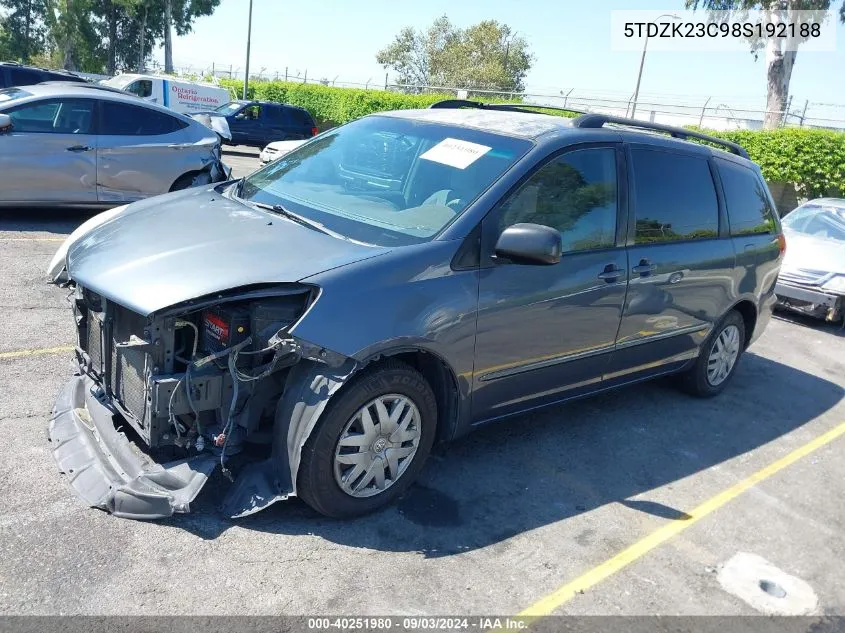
[456, 153]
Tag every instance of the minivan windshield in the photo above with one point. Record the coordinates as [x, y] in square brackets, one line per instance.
[817, 221]
[229, 108]
[385, 180]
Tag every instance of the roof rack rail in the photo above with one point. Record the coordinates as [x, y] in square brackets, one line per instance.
[598, 120]
[510, 107]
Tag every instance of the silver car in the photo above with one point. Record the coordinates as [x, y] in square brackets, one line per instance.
[812, 277]
[72, 144]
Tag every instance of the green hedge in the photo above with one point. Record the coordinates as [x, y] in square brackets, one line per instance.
[812, 160]
[335, 106]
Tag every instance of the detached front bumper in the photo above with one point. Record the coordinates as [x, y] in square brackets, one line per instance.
[813, 302]
[107, 471]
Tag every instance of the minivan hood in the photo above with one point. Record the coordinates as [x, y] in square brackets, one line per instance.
[813, 253]
[172, 248]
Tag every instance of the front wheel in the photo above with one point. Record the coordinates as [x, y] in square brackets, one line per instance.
[370, 443]
[718, 359]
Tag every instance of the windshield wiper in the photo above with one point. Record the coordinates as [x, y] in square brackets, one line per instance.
[290, 215]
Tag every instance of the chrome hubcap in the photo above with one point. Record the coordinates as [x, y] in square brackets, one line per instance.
[377, 445]
[723, 355]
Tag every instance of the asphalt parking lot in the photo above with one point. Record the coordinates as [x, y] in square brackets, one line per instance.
[633, 502]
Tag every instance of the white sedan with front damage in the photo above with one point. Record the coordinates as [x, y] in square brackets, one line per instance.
[812, 276]
[278, 149]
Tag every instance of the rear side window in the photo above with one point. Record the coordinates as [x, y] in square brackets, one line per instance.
[749, 209]
[675, 197]
[274, 115]
[299, 118]
[120, 119]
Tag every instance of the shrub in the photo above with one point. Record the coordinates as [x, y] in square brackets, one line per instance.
[812, 160]
[336, 106]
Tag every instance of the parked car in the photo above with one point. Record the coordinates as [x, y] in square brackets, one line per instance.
[71, 144]
[258, 123]
[177, 94]
[277, 149]
[397, 281]
[812, 277]
[14, 74]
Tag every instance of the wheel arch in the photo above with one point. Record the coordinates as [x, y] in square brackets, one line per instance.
[748, 312]
[440, 376]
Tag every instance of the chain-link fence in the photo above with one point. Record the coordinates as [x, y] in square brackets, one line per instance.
[713, 112]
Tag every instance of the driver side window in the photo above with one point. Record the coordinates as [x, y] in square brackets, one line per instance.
[575, 193]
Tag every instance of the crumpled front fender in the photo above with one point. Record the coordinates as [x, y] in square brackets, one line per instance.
[309, 386]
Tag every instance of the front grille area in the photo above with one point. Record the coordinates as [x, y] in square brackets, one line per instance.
[128, 368]
[94, 344]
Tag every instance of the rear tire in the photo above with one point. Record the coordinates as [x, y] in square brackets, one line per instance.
[186, 181]
[718, 358]
[370, 443]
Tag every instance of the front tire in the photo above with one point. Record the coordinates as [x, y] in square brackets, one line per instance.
[370, 443]
[718, 359]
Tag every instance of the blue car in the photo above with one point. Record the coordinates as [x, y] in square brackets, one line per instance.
[258, 123]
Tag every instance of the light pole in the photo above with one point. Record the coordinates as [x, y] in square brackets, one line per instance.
[642, 61]
[248, 38]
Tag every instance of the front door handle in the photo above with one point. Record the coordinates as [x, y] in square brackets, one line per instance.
[644, 268]
[79, 148]
[611, 273]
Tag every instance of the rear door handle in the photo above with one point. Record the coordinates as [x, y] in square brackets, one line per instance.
[79, 148]
[610, 273]
[644, 268]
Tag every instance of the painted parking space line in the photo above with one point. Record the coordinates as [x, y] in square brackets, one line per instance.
[548, 604]
[37, 352]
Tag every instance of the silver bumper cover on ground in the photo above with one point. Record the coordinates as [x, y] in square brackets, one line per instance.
[107, 471]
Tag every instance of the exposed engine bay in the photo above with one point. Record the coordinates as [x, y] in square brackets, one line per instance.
[196, 382]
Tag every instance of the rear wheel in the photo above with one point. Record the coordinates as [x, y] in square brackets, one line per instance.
[370, 443]
[191, 179]
[718, 359]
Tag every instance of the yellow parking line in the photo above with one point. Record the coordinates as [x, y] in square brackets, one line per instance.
[32, 239]
[547, 605]
[37, 352]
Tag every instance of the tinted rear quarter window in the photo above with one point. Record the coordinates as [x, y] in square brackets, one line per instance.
[674, 195]
[24, 77]
[299, 117]
[120, 119]
[749, 209]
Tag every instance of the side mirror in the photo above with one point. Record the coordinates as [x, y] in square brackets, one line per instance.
[530, 244]
[5, 123]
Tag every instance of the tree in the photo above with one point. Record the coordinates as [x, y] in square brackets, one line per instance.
[779, 60]
[488, 55]
[26, 28]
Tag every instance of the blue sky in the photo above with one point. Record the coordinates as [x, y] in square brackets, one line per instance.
[571, 42]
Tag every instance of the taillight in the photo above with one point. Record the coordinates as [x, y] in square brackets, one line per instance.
[782, 244]
[314, 131]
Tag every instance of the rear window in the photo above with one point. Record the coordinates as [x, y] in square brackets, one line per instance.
[24, 77]
[675, 197]
[300, 117]
[120, 119]
[749, 209]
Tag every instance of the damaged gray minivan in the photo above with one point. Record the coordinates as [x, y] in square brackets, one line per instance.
[394, 282]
